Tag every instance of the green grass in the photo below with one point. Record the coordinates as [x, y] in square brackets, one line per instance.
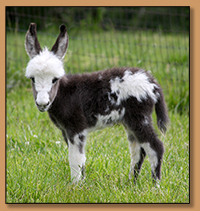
[37, 167]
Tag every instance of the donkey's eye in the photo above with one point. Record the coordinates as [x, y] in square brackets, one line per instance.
[33, 79]
[54, 80]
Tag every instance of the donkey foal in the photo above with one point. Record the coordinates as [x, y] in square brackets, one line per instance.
[79, 104]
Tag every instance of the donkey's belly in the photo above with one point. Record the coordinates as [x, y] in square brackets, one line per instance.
[110, 119]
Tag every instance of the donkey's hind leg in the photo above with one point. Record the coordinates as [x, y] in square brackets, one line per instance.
[137, 157]
[139, 164]
[155, 157]
[153, 147]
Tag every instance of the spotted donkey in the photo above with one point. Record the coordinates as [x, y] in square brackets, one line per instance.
[79, 104]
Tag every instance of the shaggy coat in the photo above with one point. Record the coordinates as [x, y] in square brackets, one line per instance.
[79, 104]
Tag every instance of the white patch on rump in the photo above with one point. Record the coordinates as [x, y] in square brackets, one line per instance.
[136, 85]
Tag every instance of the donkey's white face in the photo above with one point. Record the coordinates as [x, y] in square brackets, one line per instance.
[45, 67]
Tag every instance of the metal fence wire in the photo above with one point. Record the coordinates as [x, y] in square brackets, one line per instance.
[153, 38]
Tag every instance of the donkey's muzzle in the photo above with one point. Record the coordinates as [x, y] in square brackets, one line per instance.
[42, 101]
[42, 108]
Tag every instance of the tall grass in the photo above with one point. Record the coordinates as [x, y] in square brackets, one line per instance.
[37, 167]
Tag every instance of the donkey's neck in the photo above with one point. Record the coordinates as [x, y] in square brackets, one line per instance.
[64, 103]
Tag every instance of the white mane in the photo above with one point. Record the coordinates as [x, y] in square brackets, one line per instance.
[45, 62]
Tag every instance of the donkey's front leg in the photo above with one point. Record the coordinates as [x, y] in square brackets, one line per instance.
[77, 157]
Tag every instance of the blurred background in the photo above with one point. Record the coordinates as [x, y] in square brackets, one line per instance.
[152, 38]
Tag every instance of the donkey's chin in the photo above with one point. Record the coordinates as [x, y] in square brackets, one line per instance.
[43, 108]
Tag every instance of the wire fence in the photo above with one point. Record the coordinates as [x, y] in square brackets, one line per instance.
[153, 38]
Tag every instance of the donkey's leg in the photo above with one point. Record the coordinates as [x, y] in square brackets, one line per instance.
[137, 156]
[138, 166]
[155, 155]
[77, 156]
[153, 147]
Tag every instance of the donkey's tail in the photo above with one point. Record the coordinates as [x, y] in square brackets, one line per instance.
[161, 112]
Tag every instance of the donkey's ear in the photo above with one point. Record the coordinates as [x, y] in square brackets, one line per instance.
[32, 45]
[61, 44]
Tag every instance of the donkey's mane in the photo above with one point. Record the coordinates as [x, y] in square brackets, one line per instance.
[45, 62]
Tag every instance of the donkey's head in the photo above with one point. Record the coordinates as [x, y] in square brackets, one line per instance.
[45, 67]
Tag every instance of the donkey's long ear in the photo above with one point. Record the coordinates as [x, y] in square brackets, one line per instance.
[32, 45]
[61, 44]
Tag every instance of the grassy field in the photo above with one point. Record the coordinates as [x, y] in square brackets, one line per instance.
[37, 167]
